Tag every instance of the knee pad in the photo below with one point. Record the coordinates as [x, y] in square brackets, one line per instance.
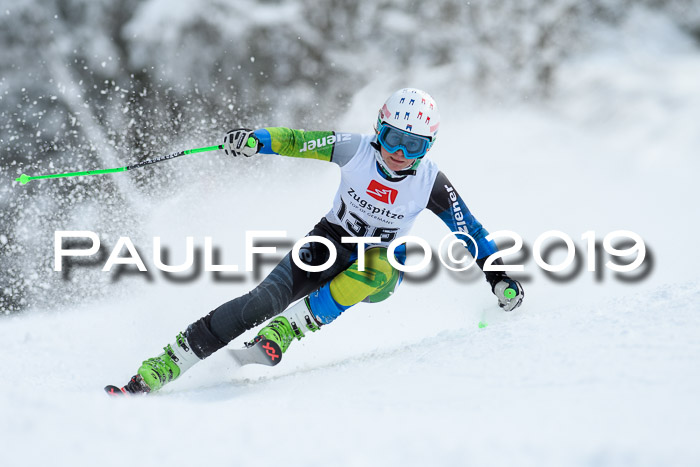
[375, 283]
[378, 279]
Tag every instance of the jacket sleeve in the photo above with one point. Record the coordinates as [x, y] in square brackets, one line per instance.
[327, 146]
[446, 203]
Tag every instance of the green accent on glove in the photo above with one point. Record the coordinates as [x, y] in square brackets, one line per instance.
[299, 143]
[510, 293]
[252, 142]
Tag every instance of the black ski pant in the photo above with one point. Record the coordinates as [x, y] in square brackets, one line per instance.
[284, 285]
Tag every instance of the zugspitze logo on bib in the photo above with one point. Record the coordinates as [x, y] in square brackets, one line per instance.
[382, 193]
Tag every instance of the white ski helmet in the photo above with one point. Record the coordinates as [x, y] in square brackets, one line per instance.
[415, 115]
[413, 111]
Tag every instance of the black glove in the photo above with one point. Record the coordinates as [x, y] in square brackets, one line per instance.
[241, 142]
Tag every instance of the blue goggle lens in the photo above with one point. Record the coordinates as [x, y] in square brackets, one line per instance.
[393, 139]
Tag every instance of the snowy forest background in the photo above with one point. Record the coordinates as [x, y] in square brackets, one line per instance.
[90, 84]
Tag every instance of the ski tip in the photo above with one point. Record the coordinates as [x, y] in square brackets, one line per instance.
[114, 390]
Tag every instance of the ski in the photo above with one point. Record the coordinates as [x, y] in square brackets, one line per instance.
[259, 351]
[115, 391]
[134, 386]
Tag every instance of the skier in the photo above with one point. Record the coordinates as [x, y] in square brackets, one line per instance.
[386, 181]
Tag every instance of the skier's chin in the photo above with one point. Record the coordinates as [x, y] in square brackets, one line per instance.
[394, 161]
[399, 167]
[395, 165]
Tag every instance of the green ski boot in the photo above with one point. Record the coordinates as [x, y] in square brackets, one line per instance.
[276, 336]
[290, 325]
[156, 372]
[168, 366]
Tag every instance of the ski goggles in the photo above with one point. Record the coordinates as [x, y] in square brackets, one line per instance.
[393, 139]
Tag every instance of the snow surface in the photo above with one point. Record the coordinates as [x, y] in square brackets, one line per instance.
[587, 372]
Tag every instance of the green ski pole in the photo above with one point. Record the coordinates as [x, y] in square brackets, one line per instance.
[24, 179]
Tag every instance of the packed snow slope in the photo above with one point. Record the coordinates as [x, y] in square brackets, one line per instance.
[588, 371]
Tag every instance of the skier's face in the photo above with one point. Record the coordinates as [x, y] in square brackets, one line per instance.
[396, 160]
